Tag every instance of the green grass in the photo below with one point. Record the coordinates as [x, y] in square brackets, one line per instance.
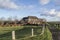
[46, 36]
[21, 32]
[24, 33]
[4, 30]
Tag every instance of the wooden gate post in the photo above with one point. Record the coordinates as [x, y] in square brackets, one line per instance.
[32, 32]
[13, 35]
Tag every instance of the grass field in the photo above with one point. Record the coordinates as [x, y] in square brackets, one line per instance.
[5, 32]
[46, 36]
[23, 33]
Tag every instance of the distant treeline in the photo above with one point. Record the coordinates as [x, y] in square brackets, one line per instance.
[24, 21]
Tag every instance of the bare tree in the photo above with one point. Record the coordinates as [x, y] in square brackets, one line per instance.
[9, 20]
[15, 20]
[2, 19]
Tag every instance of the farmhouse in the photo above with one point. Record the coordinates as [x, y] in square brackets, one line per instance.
[32, 20]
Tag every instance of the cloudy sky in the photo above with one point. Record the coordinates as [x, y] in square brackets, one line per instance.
[48, 9]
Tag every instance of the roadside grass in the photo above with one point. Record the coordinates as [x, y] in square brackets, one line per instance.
[45, 36]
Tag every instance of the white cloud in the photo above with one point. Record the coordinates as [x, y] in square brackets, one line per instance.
[8, 4]
[44, 2]
[58, 14]
[51, 12]
[30, 6]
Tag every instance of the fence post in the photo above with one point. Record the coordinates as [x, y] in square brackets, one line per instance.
[32, 32]
[13, 35]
